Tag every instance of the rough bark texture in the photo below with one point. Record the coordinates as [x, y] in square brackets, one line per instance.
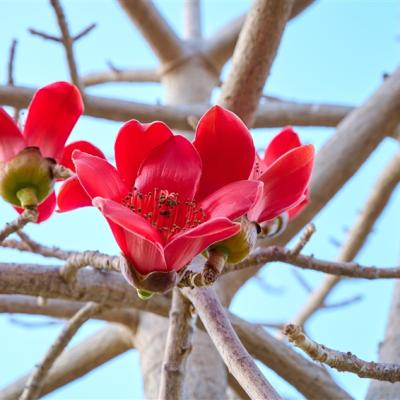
[253, 56]
[389, 352]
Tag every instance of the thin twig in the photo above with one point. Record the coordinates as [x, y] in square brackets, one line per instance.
[239, 362]
[35, 381]
[341, 361]
[128, 75]
[11, 61]
[349, 269]
[93, 258]
[67, 42]
[309, 230]
[44, 35]
[177, 348]
[84, 32]
[28, 215]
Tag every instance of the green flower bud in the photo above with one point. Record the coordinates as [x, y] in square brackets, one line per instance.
[27, 179]
[238, 247]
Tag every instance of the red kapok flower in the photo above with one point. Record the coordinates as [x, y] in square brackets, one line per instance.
[26, 158]
[285, 172]
[158, 202]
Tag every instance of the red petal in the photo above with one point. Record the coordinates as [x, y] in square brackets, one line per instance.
[294, 211]
[52, 114]
[233, 200]
[142, 241]
[134, 143]
[283, 142]
[81, 145]
[184, 247]
[72, 195]
[284, 183]
[11, 140]
[45, 208]
[98, 177]
[174, 166]
[226, 149]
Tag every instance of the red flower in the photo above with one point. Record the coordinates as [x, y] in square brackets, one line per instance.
[285, 172]
[168, 200]
[52, 114]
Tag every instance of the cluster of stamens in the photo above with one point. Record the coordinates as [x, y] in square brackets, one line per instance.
[165, 210]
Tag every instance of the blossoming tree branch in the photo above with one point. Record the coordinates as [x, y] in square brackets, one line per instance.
[193, 222]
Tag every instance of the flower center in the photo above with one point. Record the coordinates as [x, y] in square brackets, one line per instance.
[166, 211]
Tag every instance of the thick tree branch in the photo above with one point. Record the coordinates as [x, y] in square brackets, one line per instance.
[220, 46]
[20, 304]
[111, 288]
[192, 20]
[35, 381]
[116, 75]
[271, 113]
[253, 56]
[160, 36]
[339, 360]
[177, 348]
[389, 351]
[235, 356]
[89, 354]
[375, 204]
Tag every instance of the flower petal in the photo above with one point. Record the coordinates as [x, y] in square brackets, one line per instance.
[284, 183]
[52, 114]
[134, 143]
[142, 241]
[45, 208]
[284, 141]
[81, 145]
[226, 149]
[174, 166]
[72, 195]
[98, 177]
[11, 140]
[184, 247]
[232, 200]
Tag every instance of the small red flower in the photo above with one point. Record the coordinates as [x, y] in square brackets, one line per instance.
[168, 200]
[285, 172]
[52, 114]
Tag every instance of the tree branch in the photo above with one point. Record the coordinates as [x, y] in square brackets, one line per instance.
[375, 204]
[67, 42]
[117, 75]
[177, 348]
[271, 114]
[192, 20]
[339, 360]
[235, 356]
[29, 215]
[253, 56]
[35, 381]
[97, 349]
[160, 36]
[220, 46]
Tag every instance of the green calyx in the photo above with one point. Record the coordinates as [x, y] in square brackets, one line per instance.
[238, 247]
[144, 294]
[27, 179]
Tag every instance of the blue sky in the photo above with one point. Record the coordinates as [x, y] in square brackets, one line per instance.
[336, 51]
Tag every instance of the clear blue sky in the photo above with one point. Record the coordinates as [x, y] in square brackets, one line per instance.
[337, 51]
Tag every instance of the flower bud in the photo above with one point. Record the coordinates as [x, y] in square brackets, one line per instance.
[147, 285]
[238, 247]
[27, 179]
